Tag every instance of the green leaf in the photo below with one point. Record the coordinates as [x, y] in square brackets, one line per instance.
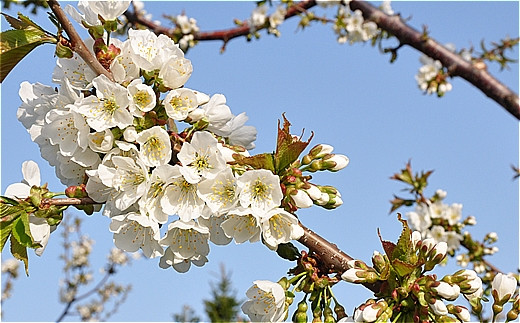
[8, 200]
[261, 161]
[288, 148]
[20, 253]
[10, 212]
[23, 22]
[22, 233]
[5, 231]
[402, 268]
[288, 251]
[15, 44]
[404, 249]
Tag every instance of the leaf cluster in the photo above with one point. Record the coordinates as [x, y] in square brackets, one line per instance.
[288, 149]
[14, 221]
[416, 184]
[16, 43]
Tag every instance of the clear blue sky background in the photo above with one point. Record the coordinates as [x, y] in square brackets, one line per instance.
[353, 99]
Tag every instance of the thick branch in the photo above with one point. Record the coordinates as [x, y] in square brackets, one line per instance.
[77, 43]
[335, 259]
[480, 78]
[456, 65]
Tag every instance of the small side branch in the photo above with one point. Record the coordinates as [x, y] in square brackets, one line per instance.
[69, 201]
[224, 35]
[77, 43]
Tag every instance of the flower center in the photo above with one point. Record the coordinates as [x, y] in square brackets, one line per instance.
[142, 99]
[260, 191]
[110, 106]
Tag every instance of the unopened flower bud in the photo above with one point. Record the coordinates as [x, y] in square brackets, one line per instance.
[447, 291]
[460, 312]
[439, 308]
[416, 238]
[301, 199]
[320, 151]
[470, 220]
[441, 194]
[130, 134]
[427, 245]
[503, 287]
[378, 260]
[314, 192]
[467, 280]
[356, 275]
[338, 162]
[78, 191]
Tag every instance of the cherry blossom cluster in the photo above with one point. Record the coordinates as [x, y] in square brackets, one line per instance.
[118, 141]
[432, 77]
[439, 221]
[259, 19]
[442, 222]
[421, 292]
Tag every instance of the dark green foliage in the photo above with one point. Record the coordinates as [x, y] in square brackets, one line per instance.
[223, 307]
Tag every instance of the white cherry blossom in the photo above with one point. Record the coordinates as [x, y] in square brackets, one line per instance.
[178, 103]
[175, 72]
[260, 190]
[150, 203]
[266, 302]
[142, 96]
[101, 142]
[187, 239]
[181, 198]
[67, 129]
[123, 66]
[242, 225]
[134, 231]
[221, 192]
[216, 232]
[75, 70]
[201, 157]
[150, 51]
[109, 9]
[154, 146]
[181, 265]
[280, 226]
[216, 112]
[108, 108]
[130, 179]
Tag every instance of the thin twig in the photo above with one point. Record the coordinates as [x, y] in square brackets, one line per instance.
[87, 294]
[68, 201]
[77, 43]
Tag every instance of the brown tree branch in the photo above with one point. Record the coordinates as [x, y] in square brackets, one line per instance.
[333, 258]
[68, 201]
[406, 35]
[77, 43]
[456, 66]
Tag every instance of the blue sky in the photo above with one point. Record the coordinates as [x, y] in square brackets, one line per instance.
[352, 98]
